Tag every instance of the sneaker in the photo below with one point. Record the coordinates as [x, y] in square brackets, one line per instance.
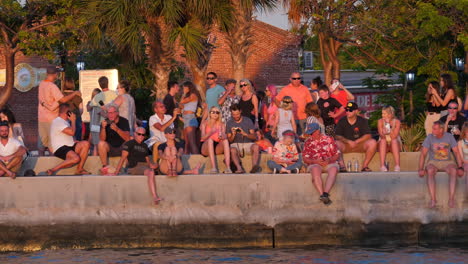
[275, 171]
[383, 168]
[227, 171]
[325, 198]
[397, 168]
[295, 171]
[214, 170]
[255, 169]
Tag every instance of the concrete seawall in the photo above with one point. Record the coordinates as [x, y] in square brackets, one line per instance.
[260, 210]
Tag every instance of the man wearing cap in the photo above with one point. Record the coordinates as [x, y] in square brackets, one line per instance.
[136, 153]
[321, 155]
[50, 98]
[286, 159]
[353, 135]
[300, 95]
[115, 130]
[12, 152]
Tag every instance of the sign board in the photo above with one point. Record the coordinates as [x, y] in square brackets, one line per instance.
[26, 77]
[367, 102]
[89, 82]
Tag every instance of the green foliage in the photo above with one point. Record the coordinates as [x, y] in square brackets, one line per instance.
[412, 138]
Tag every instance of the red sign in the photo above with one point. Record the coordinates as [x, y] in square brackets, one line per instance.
[367, 102]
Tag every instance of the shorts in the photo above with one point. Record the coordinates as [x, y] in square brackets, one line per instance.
[215, 143]
[44, 134]
[61, 152]
[243, 148]
[139, 169]
[115, 151]
[324, 169]
[441, 165]
[190, 120]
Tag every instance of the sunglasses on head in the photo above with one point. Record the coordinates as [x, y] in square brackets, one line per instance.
[295, 78]
[210, 78]
[243, 85]
[215, 112]
[140, 134]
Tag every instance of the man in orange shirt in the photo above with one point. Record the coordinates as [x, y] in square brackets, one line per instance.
[300, 95]
[50, 98]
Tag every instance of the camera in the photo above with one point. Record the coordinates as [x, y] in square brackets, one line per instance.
[238, 130]
[108, 121]
[101, 103]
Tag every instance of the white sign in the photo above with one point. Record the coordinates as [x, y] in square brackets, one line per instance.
[89, 82]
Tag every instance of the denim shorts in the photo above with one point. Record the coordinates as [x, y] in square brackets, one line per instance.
[190, 120]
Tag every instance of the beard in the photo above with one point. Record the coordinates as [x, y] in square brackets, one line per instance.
[4, 137]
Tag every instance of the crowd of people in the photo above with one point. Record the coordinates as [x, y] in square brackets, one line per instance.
[302, 128]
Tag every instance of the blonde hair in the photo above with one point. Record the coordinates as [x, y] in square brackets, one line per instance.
[389, 109]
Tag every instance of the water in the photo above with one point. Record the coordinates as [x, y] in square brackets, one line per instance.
[324, 255]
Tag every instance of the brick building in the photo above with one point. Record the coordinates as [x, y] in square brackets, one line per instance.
[274, 56]
[24, 104]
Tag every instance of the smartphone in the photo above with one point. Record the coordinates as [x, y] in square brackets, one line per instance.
[101, 103]
[69, 113]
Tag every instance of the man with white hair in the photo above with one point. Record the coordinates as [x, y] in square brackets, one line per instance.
[115, 130]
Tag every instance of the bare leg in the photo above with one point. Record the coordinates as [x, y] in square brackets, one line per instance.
[255, 150]
[317, 178]
[192, 140]
[152, 186]
[396, 152]
[341, 147]
[211, 153]
[382, 151]
[72, 159]
[235, 159]
[331, 178]
[103, 149]
[82, 149]
[452, 172]
[223, 148]
[431, 172]
[370, 146]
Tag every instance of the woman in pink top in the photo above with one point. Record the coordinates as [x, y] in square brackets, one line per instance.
[213, 136]
[341, 94]
[269, 107]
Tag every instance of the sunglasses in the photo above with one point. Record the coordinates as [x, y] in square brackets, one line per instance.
[243, 85]
[210, 78]
[287, 102]
[349, 110]
[170, 132]
[453, 108]
[297, 78]
[140, 134]
[215, 112]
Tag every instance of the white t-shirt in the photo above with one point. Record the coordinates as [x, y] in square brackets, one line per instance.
[155, 134]
[10, 148]
[57, 137]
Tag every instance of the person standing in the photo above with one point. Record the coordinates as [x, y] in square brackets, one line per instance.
[284, 118]
[103, 98]
[433, 107]
[453, 122]
[189, 101]
[213, 91]
[169, 100]
[330, 108]
[269, 110]
[76, 107]
[228, 99]
[463, 149]
[300, 95]
[341, 94]
[320, 155]
[439, 146]
[447, 91]
[248, 103]
[64, 146]
[50, 98]
[126, 104]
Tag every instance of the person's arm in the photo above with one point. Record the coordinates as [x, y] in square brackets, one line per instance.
[251, 135]
[222, 99]
[67, 98]
[275, 124]
[123, 158]
[125, 135]
[71, 130]
[151, 164]
[162, 127]
[396, 130]
[447, 98]
[465, 105]
[205, 136]
[293, 123]
[102, 132]
[460, 169]
[380, 128]
[460, 148]
[422, 159]
[363, 139]
[189, 99]
[349, 95]
[255, 104]
[340, 111]
[342, 139]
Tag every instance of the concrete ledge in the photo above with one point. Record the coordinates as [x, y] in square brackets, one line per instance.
[259, 210]
[93, 164]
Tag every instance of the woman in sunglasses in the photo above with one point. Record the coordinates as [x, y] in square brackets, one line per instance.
[284, 118]
[249, 101]
[213, 136]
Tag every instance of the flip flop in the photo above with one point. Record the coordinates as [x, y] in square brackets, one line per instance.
[82, 172]
[157, 200]
[366, 169]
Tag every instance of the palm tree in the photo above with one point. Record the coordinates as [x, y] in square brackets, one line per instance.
[240, 37]
[154, 28]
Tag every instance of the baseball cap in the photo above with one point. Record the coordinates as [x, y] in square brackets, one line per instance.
[351, 106]
[289, 133]
[311, 128]
[52, 70]
[169, 130]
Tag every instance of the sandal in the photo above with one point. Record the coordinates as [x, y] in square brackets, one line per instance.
[82, 172]
[239, 172]
[366, 169]
[343, 169]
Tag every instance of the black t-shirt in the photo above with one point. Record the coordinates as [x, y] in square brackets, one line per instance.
[112, 137]
[179, 145]
[169, 103]
[453, 125]
[352, 132]
[137, 152]
[327, 106]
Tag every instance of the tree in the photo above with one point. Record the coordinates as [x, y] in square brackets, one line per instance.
[240, 37]
[32, 27]
[331, 21]
[153, 29]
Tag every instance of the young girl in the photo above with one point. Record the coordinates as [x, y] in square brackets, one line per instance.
[284, 118]
[389, 131]
[189, 101]
[213, 136]
[313, 116]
